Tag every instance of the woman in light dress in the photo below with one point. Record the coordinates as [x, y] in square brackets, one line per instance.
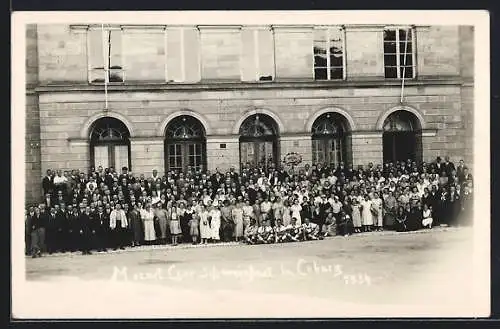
[215, 223]
[356, 214]
[237, 217]
[147, 216]
[296, 208]
[366, 214]
[175, 226]
[205, 232]
[377, 211]
[287, 217]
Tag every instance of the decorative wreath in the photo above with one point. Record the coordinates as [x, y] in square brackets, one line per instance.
[293, 159]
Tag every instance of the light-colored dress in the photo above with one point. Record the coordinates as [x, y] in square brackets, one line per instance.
[356, 215]
[215, 223]
[366, 213]
[296, 208]
[287, 217]
[379, 218]
[175, 224]
[237, 215]
[205, 232]
[149, 226]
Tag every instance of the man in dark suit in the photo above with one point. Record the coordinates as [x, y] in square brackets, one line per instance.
[48, 201]
[460, 170]
[233, 174]
[48, 183]
[62, 228]
[52, 232]
[438, 165]
[72, 233]
[85, 230]
[449, 166]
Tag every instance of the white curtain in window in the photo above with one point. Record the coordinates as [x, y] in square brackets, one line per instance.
[121, 156]
[101, 156]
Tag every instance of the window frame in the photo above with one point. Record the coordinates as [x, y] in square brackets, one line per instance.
[105, 68]
[399, 66]
[328, 29]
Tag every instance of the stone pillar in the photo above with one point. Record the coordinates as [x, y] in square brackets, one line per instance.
[367, 147]
[147, 154]
[223, 152]
[300, 144]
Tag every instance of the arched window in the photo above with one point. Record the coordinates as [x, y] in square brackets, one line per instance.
[402, 137]
[109, 144]
[185, 144]
[259, 141]
[330, 139]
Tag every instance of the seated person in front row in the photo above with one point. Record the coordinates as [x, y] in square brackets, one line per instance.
[280, 232]
[311, 230]
[330, 226]
[295, 231]
[265, 233]
[250, 234]
[346, 226]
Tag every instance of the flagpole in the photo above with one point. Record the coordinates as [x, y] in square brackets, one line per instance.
[404, 67]
[105, 66]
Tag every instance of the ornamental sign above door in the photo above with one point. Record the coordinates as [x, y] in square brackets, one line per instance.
[292, 159]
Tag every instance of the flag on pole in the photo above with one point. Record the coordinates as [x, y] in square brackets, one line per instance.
[407, 32]
[105, 45]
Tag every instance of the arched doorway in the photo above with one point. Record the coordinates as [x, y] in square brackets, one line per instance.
[402, 137]
[331, 140]
[109, 144]
[259, 141]
[185, 144]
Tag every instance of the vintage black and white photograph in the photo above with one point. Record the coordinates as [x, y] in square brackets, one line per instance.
[250, 165]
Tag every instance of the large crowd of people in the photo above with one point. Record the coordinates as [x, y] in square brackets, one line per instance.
[106, 209]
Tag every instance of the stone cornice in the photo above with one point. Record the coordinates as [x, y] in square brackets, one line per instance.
[375, 83]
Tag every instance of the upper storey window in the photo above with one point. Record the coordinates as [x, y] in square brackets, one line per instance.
[329, 53]
[105, 61]
[399, 53]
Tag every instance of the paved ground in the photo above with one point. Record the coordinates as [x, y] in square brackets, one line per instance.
[419, 273]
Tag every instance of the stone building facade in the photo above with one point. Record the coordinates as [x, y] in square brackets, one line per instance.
[220, 96]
